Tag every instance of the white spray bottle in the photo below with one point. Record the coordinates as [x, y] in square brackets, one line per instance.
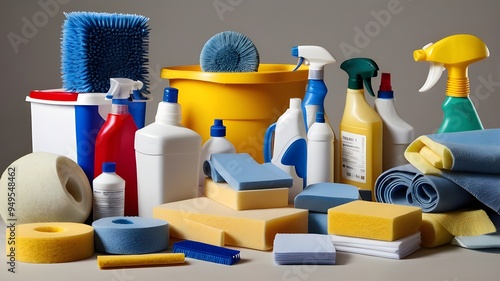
[290, 146]
[316, 57]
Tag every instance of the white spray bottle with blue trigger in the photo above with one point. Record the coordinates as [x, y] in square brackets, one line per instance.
[316, 57]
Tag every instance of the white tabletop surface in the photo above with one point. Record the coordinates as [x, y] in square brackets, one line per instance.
[445, 263]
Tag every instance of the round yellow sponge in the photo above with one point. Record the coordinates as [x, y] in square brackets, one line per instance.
[53, 242]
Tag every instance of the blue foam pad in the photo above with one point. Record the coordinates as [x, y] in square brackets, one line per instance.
[130, 235]
[320, 197]
[242, 172]
[318, 223]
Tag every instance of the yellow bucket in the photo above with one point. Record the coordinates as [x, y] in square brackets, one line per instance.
[247, 102]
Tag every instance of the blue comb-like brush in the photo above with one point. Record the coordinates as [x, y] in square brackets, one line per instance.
[98, 46]
[206, 252]
[229, 51]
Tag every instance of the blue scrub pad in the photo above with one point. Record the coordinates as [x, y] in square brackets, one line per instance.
[318, 223]
[130, 235]
[320, 197]
[98, 46]
[242, 172]
[229, 51]
[299, 248]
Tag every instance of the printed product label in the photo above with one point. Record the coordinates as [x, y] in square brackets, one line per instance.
[353, 157]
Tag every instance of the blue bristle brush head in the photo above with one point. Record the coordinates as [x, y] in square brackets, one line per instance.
[98, 46]
[229, 51]
[206, 252]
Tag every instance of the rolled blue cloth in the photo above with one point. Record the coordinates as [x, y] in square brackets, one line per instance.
[405, 185]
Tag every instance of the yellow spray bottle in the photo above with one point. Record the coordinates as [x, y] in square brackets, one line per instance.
[454, 53]
[361, 130]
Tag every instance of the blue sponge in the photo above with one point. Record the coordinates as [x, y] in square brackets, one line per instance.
[242, 172]
[229, 51]
[318, 223]
[98, 46]
[130, 235]
[320, 197]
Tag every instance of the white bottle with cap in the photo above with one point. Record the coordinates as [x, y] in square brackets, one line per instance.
[108, 193]
[320, 151]
[217, 143]
[398, 134]
[167, 156]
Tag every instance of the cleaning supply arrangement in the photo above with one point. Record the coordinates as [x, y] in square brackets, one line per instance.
[243, 155]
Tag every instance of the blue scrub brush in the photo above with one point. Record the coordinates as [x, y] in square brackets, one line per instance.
[229, 51]
[98, 46]
[206, 252]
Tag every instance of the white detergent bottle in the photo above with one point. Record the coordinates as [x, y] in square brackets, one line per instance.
[217, 143]
[397, 134]
[320, 151]
[108, 193]
[168, 157]
[289, 146]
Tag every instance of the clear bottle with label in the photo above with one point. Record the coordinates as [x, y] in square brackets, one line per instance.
[108, 192]
[217, 143]
[361, 129]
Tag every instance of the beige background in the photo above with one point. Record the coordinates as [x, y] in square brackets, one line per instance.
[391, 30]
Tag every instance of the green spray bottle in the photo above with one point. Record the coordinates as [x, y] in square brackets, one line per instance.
[361, 129]
[454, 53]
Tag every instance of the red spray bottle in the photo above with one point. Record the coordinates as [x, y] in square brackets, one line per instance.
[115, 140]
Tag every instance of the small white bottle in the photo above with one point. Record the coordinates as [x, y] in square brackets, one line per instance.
[109, 193]
[167, 156]
[398, 134]
[217, 143]
[320, 151]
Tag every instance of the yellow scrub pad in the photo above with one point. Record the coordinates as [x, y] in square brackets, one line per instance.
[374, 220]
[254, 229]
[246, 199]
[117, 261]
[53, 242]
[440, 228]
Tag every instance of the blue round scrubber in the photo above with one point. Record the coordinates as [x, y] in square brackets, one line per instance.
[130, 235]
[229, 51]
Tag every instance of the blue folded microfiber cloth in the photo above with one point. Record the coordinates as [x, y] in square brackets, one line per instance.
[470, 159]
[405, 185]
[475, 151]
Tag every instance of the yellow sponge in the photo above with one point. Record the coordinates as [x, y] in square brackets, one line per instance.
[374, 220]
[53, 242]
[246, 199]
[254, 229]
